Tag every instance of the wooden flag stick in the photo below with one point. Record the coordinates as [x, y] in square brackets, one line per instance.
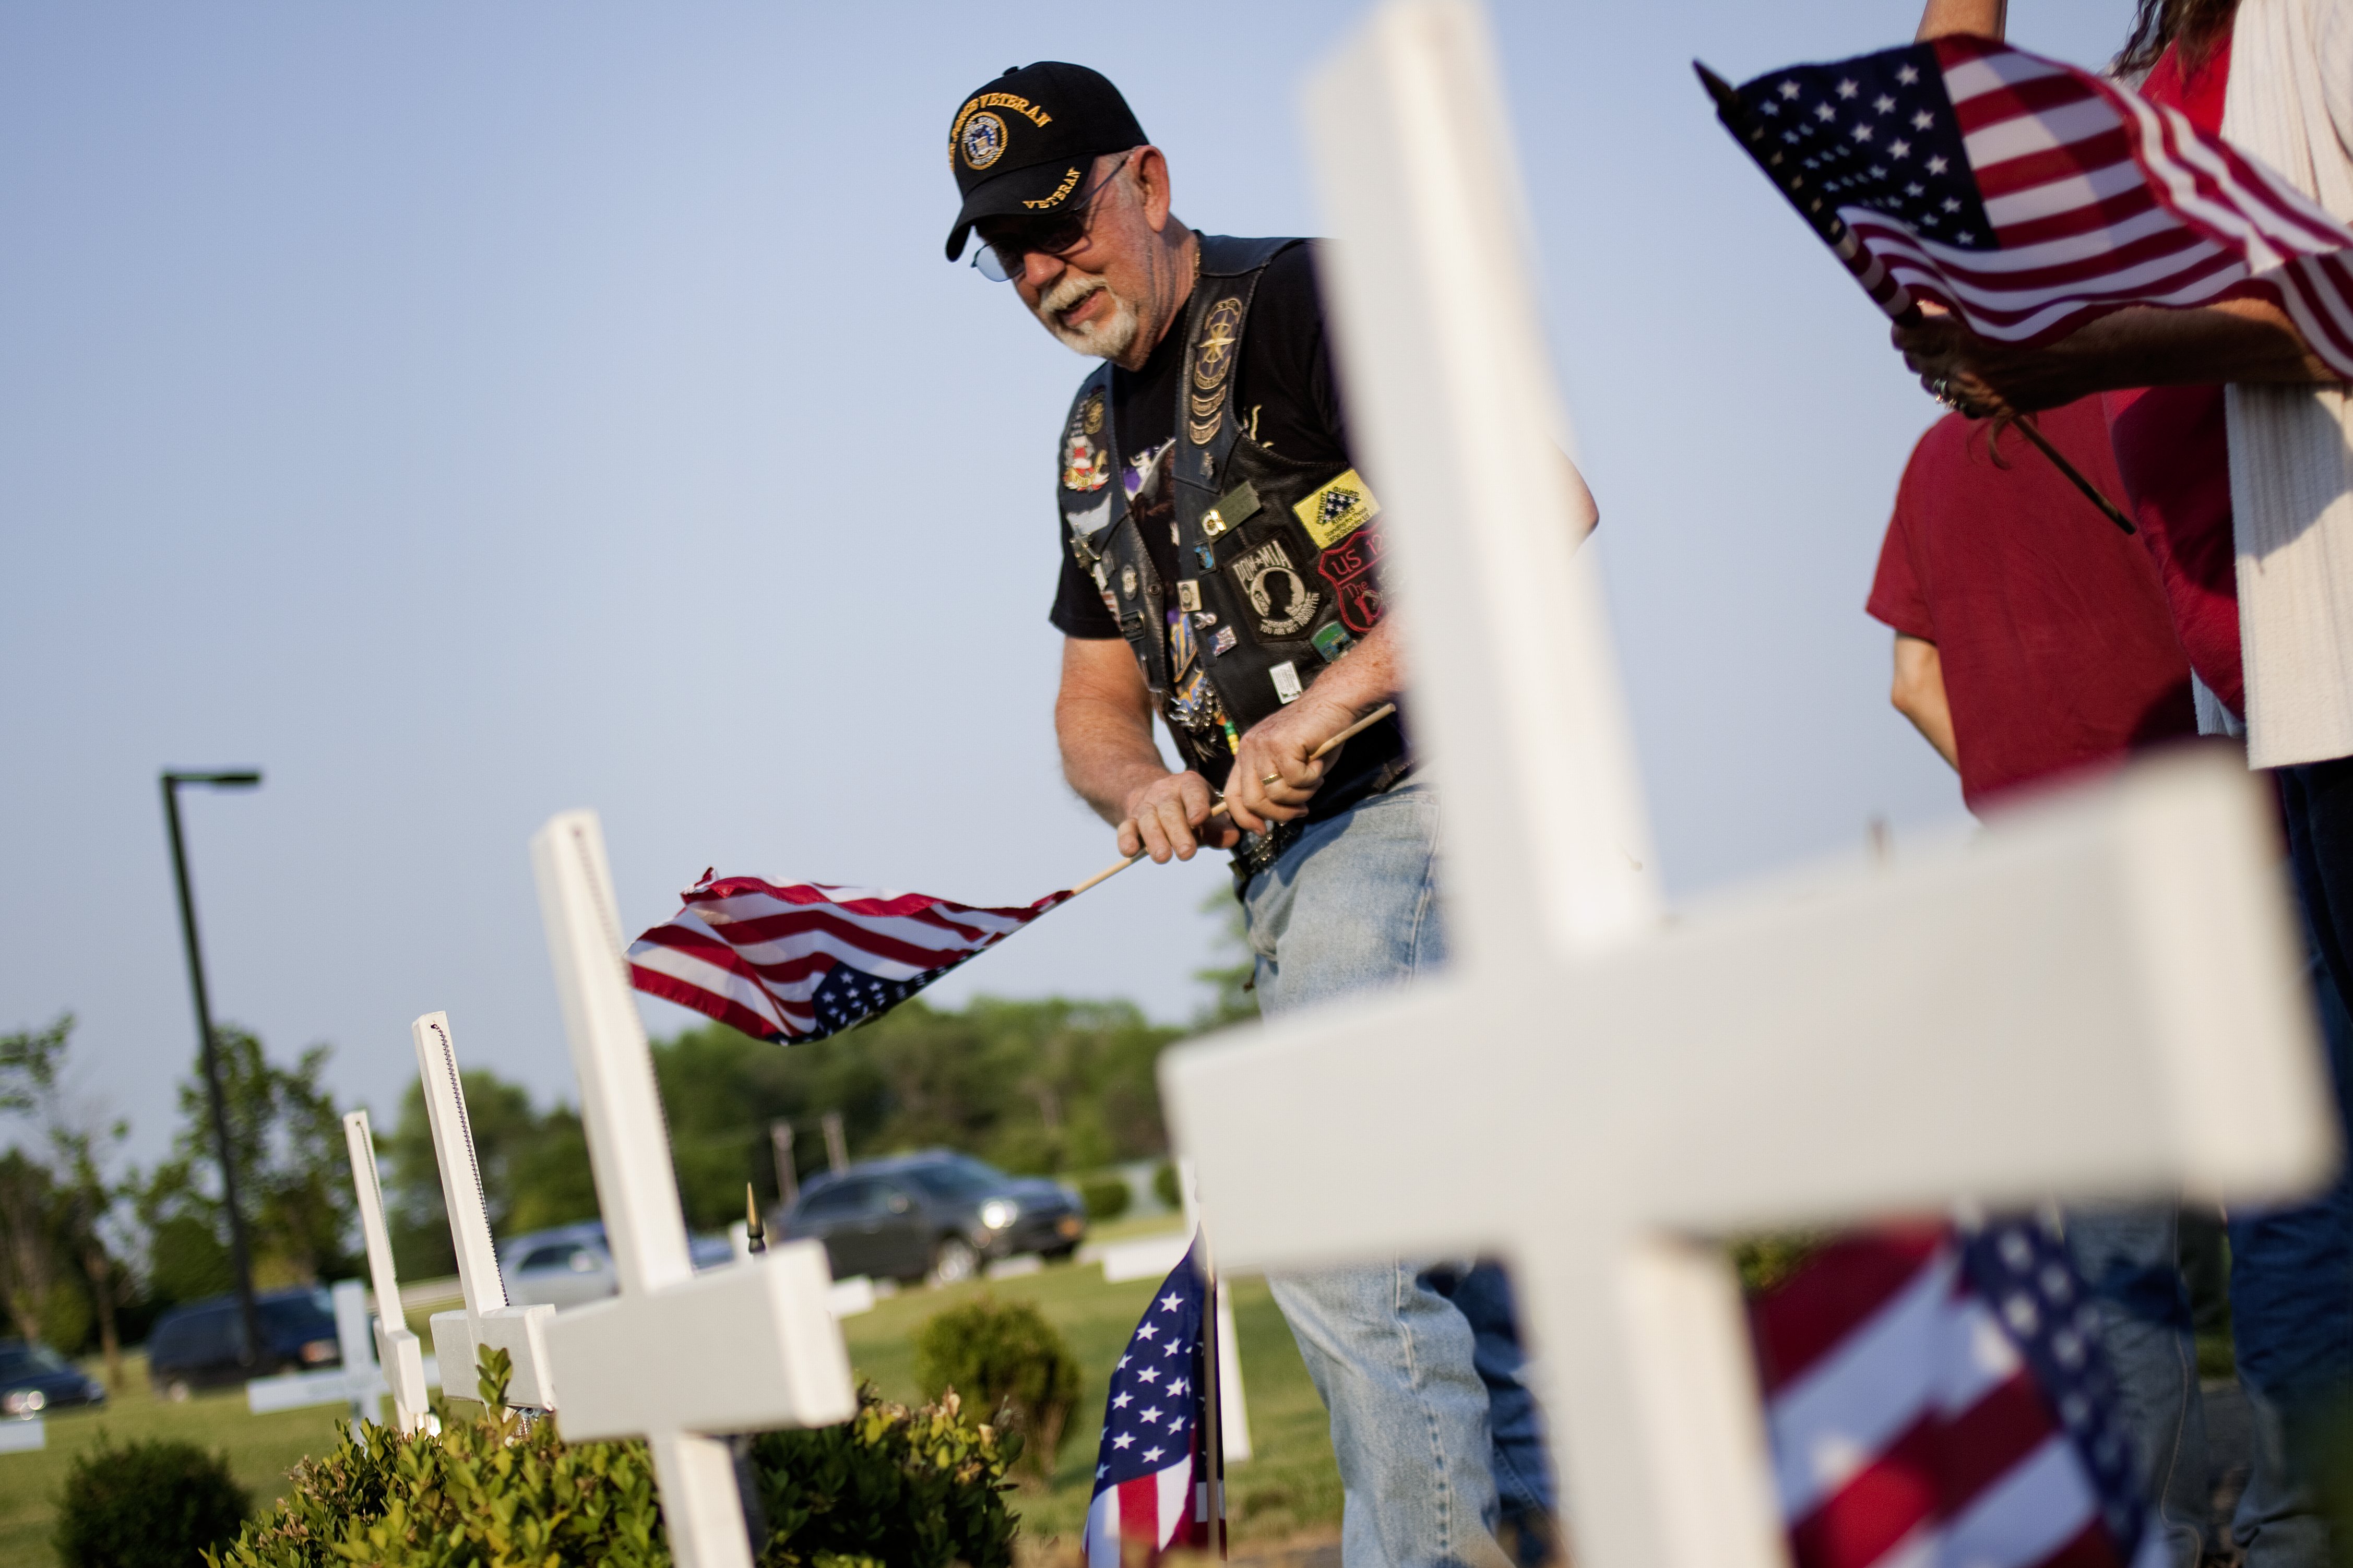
[1325, 749]
[1822, 217]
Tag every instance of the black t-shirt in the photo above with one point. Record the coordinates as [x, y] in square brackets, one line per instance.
[1282, 392]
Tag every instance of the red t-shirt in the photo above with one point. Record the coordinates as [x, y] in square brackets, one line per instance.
[2051, 624]
[2173, 452]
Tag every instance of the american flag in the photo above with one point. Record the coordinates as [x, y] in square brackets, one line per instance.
[1152, 1475]
[1937, 1399]
[803, 961]
[2029, 196]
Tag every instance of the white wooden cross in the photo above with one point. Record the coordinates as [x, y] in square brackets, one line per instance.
[677, 1357]
[486, 1322]
[397, 1350]
[2101, 998]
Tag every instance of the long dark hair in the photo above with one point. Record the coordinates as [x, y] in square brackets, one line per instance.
[2197, 25]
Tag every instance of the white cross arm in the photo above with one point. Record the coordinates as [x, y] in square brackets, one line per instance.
[397, 1345]
[1771, 1061]
[722, 1348]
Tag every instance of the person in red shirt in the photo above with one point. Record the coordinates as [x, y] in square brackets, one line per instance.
[2032, 638]
[2033, 642]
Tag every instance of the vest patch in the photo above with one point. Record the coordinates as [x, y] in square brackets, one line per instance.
[1285, 602]
[1348, 567]
[1337, 511]
[1085, 465]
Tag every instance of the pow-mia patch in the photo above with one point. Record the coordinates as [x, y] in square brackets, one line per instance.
[1338, 509]
[1085, 465]
[1213, 362]
[982, 141]
[1285, 602]
[1348, 567]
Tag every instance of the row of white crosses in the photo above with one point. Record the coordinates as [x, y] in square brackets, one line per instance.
[2102, 998]
[679, 1358]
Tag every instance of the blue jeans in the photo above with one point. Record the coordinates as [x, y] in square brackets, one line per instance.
[1437, 1436]
[2291, 1325]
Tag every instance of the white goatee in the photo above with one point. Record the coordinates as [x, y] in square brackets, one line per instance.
[1103, 339]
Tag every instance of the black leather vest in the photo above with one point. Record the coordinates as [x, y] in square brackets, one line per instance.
[1274, 557]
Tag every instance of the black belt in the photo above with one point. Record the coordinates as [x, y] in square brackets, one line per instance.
[1257, 851]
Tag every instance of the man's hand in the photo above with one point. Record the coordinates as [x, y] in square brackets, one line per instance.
[1278, 747]
[1166, 818]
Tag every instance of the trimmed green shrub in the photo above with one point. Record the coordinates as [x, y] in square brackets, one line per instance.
[919, 1488]
[1006, 1358]
[146, 1505]
[905, 1489]
[1165, 1187]
[1106, 1199]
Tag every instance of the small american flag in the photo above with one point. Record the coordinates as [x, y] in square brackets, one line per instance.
[2028, 196]
[1152, 1475]
[1937, 1399]
[803, 961]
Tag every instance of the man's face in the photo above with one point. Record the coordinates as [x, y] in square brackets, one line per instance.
[1091, 297]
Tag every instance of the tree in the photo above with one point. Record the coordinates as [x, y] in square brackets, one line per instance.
[293, 1172]
[64, 1207]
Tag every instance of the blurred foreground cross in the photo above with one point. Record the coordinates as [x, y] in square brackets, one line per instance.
[2101, 998]
[678, 1358]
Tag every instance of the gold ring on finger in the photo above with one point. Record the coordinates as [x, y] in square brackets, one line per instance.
[1271, 780]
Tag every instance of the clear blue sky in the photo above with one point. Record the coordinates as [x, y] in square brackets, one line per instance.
[466, 412]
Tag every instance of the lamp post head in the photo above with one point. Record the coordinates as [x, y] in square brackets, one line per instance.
[244, 778]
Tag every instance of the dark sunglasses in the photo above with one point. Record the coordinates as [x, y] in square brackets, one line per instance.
[1000, 260]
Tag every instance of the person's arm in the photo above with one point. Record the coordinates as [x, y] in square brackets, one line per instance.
[1919, 694]
[1103, 719]
[1986, 18]
[2237, 339]
[1277, 746]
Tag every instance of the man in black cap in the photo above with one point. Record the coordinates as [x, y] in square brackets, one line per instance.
[1223, 569]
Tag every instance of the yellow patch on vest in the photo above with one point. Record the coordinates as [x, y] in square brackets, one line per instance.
[1337, 511]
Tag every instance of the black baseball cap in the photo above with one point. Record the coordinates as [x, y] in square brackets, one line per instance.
[1022, 144]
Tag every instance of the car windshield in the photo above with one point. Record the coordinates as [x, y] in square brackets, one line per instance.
[311, 1315]
[956, 1180]
[24, 1361]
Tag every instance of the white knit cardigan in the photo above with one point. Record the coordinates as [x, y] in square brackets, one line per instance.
[2289, 103]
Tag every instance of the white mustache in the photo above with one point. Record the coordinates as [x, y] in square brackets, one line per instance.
[1066, 293]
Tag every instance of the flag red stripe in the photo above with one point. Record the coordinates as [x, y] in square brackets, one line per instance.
[1882, 1502]
[1984, 1442]
[725, 1009]
[1139, 1509]
[2050, 165]
[2020, 101]
[1841, 1287]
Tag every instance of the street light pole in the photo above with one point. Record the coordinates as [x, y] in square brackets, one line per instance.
[240, 1254]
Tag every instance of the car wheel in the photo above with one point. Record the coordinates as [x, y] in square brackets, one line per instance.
[954, 1260]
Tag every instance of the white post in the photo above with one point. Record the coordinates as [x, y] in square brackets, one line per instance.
[486, 1322]
[362, 1378]
[1233, 1409]
[396, 1346]
[676, 1358]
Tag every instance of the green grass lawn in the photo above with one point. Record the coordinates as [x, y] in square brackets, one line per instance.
[261, 1449]
[1292, 1487]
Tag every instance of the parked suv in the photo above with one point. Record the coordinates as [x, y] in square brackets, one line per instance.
[937, 1215]
[196, 1346]
[35, 1378]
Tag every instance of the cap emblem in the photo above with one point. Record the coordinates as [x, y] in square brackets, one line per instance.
[981, 141]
